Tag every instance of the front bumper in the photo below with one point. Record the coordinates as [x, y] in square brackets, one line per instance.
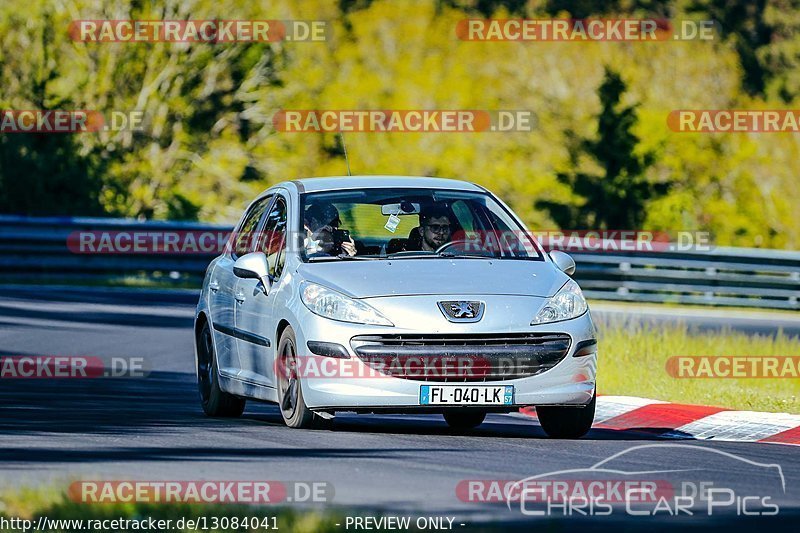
[570, 382]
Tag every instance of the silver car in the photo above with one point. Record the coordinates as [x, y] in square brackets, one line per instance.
[382, 294]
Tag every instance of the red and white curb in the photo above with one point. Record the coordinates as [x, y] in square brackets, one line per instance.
[684, 421]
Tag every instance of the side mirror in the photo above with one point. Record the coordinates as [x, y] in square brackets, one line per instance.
[254, 266]
[564, 262]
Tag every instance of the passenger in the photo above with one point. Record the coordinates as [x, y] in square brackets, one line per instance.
[322, 231]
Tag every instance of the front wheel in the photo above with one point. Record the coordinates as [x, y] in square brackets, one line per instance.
[214, 400]
[567, 422]
[294, 410]
[462, 420]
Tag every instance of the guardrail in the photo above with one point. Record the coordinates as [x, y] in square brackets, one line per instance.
[35, 250]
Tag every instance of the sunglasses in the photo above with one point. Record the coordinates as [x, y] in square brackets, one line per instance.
[438, 228]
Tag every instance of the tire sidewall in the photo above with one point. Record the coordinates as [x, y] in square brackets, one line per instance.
[210, 403]
[302, 415]
[219, 403]
[567, 422]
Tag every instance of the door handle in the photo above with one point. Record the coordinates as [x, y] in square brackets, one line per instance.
[214, 286]
[239, 297]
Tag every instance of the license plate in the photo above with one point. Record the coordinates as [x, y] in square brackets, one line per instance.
[466, 395]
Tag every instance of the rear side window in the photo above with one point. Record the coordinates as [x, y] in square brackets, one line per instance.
[247, 230]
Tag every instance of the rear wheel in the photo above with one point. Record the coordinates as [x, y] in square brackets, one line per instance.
[567, 422]
[464, 419]
[290, 394]
[214, 400]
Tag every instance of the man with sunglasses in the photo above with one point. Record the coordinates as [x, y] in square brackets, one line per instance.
[435, 227]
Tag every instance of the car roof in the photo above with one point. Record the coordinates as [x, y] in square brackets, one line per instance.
[333, 183]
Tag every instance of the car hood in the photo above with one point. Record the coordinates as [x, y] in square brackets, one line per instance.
[411, 277]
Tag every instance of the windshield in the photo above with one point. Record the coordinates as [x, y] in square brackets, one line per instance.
[410, 223]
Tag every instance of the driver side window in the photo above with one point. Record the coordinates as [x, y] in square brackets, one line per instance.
[244, 236]
[273, 238]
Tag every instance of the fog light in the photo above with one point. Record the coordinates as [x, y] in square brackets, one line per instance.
[587, 347]
[328, 349]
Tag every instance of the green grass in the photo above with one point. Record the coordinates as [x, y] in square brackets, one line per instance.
[633, 357]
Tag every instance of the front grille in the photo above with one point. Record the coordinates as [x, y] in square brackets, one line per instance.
[462, 358]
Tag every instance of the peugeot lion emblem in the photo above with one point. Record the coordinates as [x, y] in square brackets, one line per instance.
[462, 311]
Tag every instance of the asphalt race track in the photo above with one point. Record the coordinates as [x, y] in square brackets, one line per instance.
[57, 431]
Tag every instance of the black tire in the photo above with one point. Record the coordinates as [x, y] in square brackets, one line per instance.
[462, 420]
[294, 411]
[567, 422]
[215, 401]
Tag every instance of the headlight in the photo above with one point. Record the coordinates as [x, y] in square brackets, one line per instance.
[567, 303]
[336, 306]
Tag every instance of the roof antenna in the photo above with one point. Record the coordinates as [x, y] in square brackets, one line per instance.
[346, 159]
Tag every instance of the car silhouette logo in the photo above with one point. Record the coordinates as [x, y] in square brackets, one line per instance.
[624, 464]
[462, 311]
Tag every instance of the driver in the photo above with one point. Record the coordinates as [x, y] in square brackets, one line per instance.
[322, 231]
[435, 228]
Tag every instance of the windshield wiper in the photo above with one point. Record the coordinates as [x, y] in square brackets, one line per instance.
[434, 255]
[451, 255]
[412, 255]
[341, 257]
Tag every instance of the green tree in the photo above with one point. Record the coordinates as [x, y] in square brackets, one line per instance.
[44, 174]
[765, 35]
[742, 23]
[615, 194]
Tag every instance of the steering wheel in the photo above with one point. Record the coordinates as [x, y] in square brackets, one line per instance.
[447, 245]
